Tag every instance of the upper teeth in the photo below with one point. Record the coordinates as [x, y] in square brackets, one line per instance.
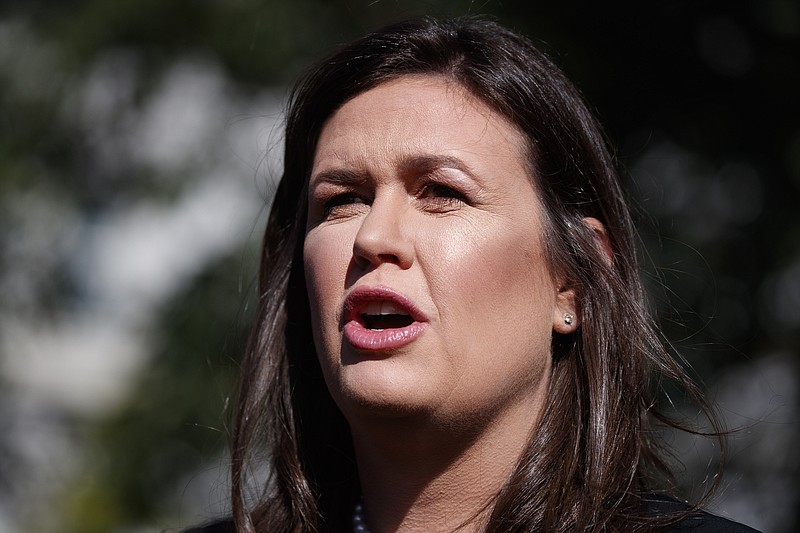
[382, 308]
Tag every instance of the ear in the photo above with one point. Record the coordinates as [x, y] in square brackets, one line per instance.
[565, 314]
[601, 239]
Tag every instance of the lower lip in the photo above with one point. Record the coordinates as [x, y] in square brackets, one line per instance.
[375, 340]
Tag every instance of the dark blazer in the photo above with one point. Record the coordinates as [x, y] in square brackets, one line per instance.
[700, 522]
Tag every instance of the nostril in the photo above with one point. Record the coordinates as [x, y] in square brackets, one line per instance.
[366, 264]
[389, 258]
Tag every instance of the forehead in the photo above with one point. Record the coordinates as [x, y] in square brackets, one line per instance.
[418, 113]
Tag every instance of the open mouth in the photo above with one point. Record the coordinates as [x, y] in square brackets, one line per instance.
[384, 315]
[379, 320]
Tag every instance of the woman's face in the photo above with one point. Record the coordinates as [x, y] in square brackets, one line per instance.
[427, 280]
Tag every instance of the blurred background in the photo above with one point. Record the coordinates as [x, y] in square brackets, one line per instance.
[140, 141]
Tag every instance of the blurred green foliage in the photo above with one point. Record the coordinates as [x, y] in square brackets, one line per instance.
[176, 418]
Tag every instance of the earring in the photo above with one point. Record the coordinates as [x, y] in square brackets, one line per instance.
[568, 318]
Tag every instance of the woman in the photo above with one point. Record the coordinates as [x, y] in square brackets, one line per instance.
[451, 334]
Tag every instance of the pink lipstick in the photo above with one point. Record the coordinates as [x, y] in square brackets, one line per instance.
[379, 319]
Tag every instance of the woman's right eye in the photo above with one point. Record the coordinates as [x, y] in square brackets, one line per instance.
[343, 205]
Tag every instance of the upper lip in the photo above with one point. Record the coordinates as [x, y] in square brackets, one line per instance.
[361, 296]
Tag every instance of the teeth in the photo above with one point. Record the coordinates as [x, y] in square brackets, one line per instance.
[382, 308]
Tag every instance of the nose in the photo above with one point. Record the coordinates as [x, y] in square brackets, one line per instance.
[383, 235]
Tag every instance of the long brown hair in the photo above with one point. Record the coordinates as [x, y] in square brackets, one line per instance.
[593, 459]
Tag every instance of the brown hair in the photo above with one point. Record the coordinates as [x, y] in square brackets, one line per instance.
[590, 464]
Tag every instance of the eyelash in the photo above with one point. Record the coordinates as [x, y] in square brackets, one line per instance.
[439, 190]
[341, 201]
[437, 197]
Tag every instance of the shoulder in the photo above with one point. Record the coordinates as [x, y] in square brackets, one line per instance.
[696, 522]
[220, 526]
[703, 522]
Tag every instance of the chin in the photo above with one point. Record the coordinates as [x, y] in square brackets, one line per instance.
[365, 389]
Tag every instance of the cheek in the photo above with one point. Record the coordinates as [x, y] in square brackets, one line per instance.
[496, 281]
[492, 255]
[326, 256]
[318, 266]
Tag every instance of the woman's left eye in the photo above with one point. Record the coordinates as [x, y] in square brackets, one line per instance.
[442, 197]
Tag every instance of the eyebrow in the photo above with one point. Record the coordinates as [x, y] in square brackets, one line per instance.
[339, 176]
[408, 166]
[418, 164]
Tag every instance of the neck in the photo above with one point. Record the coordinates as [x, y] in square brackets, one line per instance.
[417, 476]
